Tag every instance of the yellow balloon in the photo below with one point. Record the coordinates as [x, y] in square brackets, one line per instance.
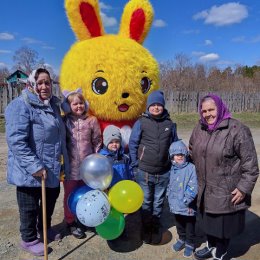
[126, 196]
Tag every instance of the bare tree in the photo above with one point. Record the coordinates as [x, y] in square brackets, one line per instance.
[4, 73]
[26, 59]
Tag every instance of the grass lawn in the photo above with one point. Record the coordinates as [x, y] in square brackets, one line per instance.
[188, 121]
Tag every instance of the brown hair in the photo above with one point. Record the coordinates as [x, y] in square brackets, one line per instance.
[39, 71]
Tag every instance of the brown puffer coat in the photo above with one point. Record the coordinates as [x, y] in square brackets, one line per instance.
[83, 138]
[225, 159]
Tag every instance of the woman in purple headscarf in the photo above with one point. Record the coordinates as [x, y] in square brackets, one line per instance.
[224, 154]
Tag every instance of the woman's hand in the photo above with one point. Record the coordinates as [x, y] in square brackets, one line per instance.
[238, 196]
[41, 173]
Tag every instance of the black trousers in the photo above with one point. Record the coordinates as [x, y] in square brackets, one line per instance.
[30, 208]
[185, 226]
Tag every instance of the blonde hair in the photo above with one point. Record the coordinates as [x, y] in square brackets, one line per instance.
[71, 97]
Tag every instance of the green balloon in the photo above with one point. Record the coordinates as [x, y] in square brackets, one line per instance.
[113, 226]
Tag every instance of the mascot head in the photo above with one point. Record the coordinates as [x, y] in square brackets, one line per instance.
[115, 72]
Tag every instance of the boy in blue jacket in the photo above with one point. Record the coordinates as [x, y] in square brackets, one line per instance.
[181, 193]
[114, 151]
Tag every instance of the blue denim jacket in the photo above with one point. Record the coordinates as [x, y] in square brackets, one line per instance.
[36, 139]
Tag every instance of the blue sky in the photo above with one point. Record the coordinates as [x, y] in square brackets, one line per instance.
[221, 33]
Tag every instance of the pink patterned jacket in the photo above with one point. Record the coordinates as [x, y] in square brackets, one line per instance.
[83, 138]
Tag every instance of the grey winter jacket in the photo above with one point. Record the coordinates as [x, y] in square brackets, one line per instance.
[225, 159]
[183, 187]
[36, 139]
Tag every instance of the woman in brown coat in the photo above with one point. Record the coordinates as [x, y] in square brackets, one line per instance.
[224, 154]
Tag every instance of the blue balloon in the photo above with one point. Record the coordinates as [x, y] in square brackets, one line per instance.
[75, 196]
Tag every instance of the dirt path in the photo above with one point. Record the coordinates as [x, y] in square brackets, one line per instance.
[244, 247]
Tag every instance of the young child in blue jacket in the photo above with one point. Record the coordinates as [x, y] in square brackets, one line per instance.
[114, 151]
[181, 193]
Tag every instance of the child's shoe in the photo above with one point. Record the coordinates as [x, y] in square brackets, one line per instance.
[156, 235]
[147, 234]
[53, 235]
[204, 253]
[76, 231]
[35, 247]
[178, 246]
[188, 250]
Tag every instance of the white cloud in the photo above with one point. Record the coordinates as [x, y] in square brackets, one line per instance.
[29, 40]
[159, 23]
[256, 39]
[208, 42]
[191, 32]
[2, 64]
[243, 39]
[108, 21]
[48, 47]
[4, 51]
[239, 39]
[104, 6]
[209, 57]
[6, 36]
[198, 53]
[222, 15]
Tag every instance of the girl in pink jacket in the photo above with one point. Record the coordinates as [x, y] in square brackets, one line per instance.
[83, 139]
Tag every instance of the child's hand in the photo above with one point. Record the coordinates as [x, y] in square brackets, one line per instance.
[189, 211]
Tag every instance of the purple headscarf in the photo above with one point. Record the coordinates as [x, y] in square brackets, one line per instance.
[222, 111]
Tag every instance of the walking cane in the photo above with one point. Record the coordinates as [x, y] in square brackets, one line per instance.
[44, 219]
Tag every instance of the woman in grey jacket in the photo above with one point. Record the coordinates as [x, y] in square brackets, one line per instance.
[224, 154]
[36, 140]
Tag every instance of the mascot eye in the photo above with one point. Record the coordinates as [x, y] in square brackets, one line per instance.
[145, 84]
[99, 86]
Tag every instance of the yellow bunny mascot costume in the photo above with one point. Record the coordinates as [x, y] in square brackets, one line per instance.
[114, 72]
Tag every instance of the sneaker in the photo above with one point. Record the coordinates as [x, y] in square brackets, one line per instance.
[188, 251]
[178, 246]
[204, 253]
[52, 235]
[223, 257]
[35, 247]
[76, 231]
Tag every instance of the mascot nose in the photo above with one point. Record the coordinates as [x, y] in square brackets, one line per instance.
[125, 95]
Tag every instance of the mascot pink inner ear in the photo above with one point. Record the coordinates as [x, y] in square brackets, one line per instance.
[137, 24]
[89, 18]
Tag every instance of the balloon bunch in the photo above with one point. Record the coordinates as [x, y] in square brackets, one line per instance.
[94, 208]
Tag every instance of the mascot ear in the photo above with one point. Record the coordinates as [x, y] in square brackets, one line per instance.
[136, 20]
[84, 18]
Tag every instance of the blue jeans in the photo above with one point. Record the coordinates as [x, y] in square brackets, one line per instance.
[154, 187]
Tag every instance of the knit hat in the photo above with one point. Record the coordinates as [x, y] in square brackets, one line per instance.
[155, 97]
[110, 133]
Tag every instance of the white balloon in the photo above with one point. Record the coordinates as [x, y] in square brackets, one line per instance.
[96, 171]
[93, 208]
